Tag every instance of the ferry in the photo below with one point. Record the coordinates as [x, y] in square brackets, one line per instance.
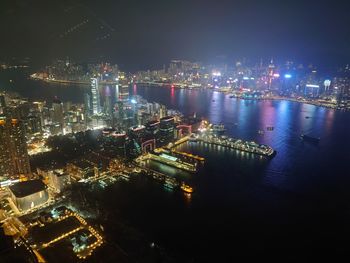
[309, 138]
[186, 188]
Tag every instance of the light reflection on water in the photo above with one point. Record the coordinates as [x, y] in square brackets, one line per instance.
[244, 118]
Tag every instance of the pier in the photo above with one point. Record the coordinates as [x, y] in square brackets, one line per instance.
[237, 144]
[168, 160]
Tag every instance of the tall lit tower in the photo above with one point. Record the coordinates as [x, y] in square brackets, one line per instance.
[96, 104]
[14, 159]
[327, 84]
[5, 160]
[117, 91]
[2, 103]
[18, 147]
[57, 114]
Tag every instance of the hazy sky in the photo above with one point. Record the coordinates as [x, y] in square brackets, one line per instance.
[138, 34]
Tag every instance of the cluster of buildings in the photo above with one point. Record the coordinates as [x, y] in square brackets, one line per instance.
[244, 79]
[129, 125]
[67, 71]
[259, 80]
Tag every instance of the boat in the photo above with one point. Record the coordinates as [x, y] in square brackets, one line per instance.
[261, 132]
[270, 128]
[307, 117]
[231, 96]
[186, 188]
[213, 100]
[309, 138]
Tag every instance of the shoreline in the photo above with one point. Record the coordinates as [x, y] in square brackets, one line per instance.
[85, 83]
[61, 81]
[298, 101]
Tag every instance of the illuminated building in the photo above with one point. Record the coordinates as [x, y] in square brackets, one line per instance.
[81, 170]
[167, 129]
[114, 141]
[2, 103]
[13, 145]
[124, 93]
[162, 112]
[312, 90]
[87, 105]
[137, 132]
[327, 83]
[5, 160]
[117, 89]
[152, 128]
[96, 104]
[193, 121]
[341, 87]
[29, 194]
[59, 180]
[108, 105]
[33, 124]
[57, 113]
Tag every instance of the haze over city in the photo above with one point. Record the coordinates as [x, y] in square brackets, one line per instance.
[143, 34]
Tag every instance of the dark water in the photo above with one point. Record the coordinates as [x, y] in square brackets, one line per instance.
[17, 81]
[296, 204]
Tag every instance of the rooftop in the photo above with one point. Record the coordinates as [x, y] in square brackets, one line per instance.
[26, 188]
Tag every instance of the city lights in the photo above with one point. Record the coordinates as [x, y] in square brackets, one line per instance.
[174, 131]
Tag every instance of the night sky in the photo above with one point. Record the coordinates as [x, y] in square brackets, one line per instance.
[140, 34]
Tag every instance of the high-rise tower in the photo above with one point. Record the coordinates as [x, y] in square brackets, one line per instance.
[14, 159]
[96, 104]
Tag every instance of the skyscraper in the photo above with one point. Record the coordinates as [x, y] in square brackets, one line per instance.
[14, 159]
[124, 93]
[96, 104]
[167, 129]
[57, 114]
[87, 105]
[5, 161]
[18, 147]
[2, 103]
[108, 105]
